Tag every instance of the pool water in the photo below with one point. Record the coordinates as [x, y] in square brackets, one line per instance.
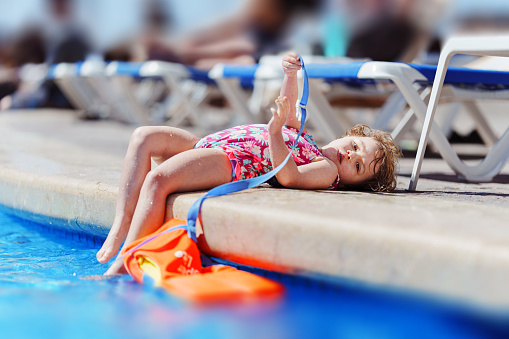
[51, 287]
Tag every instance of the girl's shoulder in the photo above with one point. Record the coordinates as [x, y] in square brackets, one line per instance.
[331, 167]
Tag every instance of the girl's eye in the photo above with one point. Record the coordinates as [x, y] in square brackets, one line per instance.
[357, 166]
[355, 146]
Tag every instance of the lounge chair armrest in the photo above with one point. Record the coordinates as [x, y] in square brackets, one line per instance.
[493, 45]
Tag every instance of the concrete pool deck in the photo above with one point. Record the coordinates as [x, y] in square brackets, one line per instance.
[449, 239]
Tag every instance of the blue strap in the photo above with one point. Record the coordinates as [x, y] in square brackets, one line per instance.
[240, 185]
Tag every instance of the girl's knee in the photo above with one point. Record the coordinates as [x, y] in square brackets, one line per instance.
[144, 141]
[156, 183]
[140, 135]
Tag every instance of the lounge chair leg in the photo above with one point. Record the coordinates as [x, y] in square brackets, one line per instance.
[485, 131]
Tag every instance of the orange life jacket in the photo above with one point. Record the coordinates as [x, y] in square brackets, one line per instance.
[170, 259]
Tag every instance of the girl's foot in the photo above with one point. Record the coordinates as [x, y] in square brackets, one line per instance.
[111, 245]
[116, 268]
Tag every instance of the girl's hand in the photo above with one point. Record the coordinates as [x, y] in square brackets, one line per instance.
[291, 64]
[279, 117]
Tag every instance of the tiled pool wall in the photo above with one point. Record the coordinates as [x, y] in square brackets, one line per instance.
[56, 226]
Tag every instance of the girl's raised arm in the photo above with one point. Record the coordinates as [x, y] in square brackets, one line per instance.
[316, 175]
[291, 64]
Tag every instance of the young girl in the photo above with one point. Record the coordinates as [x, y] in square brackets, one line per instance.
[363, 158]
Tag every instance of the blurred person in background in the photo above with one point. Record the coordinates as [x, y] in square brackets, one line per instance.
[379, 30]
[9, 81]
[20, 54]
[156, 24]
[392, 30]
[55, 40]
[383, 30]
[259, 28]
[65, 39]
[8, 78]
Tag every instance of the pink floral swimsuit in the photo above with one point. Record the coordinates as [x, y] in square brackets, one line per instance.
[247, 147]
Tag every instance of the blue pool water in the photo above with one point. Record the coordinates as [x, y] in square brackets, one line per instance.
[51, 287]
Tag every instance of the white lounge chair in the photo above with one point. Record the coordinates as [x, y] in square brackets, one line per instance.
[87, 88]
[413, 81]
[497, 157]
[183, 100]
[126, 91]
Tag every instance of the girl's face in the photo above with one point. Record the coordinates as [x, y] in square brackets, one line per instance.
[354, 157]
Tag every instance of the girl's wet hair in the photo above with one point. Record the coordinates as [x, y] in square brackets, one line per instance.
[386, 159]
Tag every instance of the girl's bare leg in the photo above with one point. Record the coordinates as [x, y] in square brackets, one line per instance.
[160, 143]
[196, 169]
